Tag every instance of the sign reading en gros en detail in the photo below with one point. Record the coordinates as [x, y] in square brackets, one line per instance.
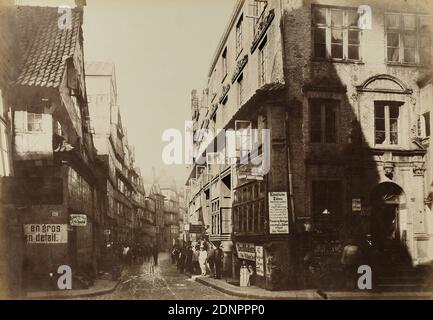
[278, 213]
[46, 233]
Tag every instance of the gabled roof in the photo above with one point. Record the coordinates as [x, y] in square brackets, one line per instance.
[44, 45]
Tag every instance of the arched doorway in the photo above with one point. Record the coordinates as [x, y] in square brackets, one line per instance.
[388, 226]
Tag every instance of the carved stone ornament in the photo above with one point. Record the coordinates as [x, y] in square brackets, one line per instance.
[388, 168]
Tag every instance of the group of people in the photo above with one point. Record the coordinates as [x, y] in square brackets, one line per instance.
[119, 255]
[138, 254]
[204, 258]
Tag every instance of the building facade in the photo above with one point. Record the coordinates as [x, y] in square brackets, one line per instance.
[337, 86]
[53, 151]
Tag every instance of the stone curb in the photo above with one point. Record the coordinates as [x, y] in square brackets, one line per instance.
[233, 291]
[41, 295]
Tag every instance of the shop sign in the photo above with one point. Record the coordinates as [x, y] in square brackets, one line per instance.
[246, 251]
[46, 233]
[278, 213]
[196, 228]
[260, 266]
[356, 205]
[78, 220]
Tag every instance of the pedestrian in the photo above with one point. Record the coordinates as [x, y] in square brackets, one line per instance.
[125, 254]
[188, 260]
[174, 255]
[211, 260]
[218, 261]
[155, 253]
[350, 260]
[202, 259]
[195, 263]
[181, 260]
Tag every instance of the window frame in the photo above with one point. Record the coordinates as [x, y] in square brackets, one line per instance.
[324, 104]
[248, 212]
[30, 121]
[331, 220]
[263, 50]
[224, 64]
[239, 36]
[401, 31]
[345, 28]
[387, 119]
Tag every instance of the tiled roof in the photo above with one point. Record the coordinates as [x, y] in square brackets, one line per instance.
[45, 45]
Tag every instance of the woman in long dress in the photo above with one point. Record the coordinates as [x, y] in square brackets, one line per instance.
[202, 259]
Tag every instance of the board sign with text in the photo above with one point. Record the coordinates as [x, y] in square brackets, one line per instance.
[78, 220]
[46, 233]
[278, 213]
[260, 266]
[246, 251]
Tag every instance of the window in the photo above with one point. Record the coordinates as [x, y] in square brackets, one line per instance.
[216, 221]
[408, 38]
[240, 89]
[262, 63]
[224, 62]
[239, 36]
[248, 215]
[336, 33]
[326, 203]
[426, 125]
[258, 10]
[34, 122]
[323, 121]
[386, 122]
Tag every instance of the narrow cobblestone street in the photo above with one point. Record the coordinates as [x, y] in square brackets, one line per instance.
[162, 282]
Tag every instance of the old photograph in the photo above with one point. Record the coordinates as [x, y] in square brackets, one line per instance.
[216, 150]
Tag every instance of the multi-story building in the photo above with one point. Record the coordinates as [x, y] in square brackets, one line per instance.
[155, 206]
[11, 242]
[120, 182]
[337, 86]
[53, 152]
[171, 216]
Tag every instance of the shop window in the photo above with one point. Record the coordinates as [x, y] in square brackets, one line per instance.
[408, 38]
[323, 121]
[336, 33]
[386, 122]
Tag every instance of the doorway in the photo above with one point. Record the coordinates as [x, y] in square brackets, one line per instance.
[387, 231]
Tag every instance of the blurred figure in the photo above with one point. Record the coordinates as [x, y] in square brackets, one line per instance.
[155, 253]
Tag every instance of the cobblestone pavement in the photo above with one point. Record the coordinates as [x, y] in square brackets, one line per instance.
[162, 282]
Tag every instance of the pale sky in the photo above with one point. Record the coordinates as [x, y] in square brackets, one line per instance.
[162, 49]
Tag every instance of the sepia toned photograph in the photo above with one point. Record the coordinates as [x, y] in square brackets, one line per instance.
[236, 151]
